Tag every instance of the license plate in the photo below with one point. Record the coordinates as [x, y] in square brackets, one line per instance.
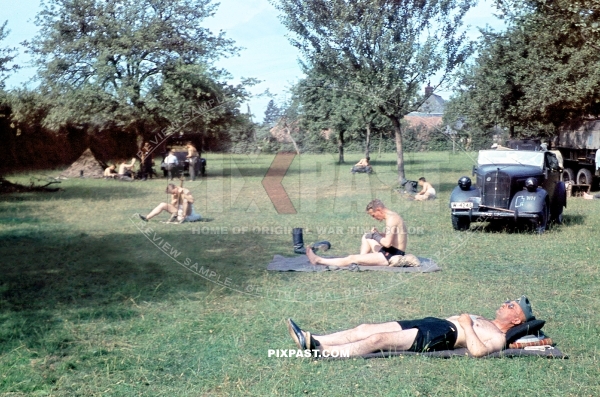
[466, 205]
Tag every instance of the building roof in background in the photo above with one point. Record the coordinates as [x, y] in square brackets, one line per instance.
[426, 120]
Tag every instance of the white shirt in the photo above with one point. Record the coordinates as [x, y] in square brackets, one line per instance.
[171, 159]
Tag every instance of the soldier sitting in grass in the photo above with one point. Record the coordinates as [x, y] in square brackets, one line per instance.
[427, 191]
[110, 172]
[479, 335]
[364, 165]
[377, 248]
[181, 207]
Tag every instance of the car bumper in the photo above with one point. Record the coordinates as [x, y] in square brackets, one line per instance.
[491, 214]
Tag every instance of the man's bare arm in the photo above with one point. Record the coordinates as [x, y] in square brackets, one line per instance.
[393, 232]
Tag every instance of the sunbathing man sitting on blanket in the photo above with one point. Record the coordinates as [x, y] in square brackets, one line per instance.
[377, 248]
[479, 335]
[181, 203]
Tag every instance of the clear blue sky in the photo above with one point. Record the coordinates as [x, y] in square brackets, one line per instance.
[253, 24]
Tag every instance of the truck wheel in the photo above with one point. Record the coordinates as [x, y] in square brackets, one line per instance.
[541, 224]
[584, 177]
[460, 222]
[568, 175]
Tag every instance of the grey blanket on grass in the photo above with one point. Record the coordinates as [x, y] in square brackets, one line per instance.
[462, 352]
[300, 263]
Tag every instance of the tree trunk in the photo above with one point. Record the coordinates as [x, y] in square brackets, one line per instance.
[399, 152]
[341, 147]
[289, 132]
[368, 140]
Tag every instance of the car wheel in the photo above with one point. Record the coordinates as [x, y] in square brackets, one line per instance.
[460, 222]
[559, 219]
[568, 175]
[584, 177]
[541, 224]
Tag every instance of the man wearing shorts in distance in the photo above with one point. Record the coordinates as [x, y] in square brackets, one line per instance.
[180, 208]
[377, 248]
[479, 335]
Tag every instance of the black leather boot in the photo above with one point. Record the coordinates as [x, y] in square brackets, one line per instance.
[298, 241]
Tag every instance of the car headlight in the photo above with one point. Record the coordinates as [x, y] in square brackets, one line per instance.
[531, 184]
[464, 183]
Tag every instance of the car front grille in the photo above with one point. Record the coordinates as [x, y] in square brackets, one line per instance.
[496, 189]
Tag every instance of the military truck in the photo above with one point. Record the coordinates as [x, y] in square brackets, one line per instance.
[578, 143]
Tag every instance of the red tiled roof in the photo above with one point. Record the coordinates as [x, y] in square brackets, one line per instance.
[429, 122]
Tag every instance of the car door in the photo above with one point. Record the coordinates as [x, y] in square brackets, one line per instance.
[552, 174]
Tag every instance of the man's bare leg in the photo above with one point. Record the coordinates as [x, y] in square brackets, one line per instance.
[160, 208]
[385, 341]
[368, 245]
[358, 333]
[186, 210]
[372, 259]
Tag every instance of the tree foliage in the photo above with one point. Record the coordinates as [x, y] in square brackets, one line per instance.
[7, 55]
[272, 114]
[543, 71]
[328, 109]
[139, 64]
[381, 51]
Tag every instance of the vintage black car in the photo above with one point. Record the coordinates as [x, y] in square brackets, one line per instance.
[182, 168]
[511, 184]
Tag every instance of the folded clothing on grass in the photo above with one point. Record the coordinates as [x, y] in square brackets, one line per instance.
[301, 264]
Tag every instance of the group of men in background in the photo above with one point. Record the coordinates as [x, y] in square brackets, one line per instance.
[125, 171]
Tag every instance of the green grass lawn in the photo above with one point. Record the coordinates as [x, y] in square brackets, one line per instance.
[95, 303]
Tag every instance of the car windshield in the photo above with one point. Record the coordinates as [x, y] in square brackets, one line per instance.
[516, 157]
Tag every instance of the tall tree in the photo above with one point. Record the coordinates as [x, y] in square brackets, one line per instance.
[542, 71]
[7, 55]
[272, 114]
[380, 50]
[103, 61]
[326, 106]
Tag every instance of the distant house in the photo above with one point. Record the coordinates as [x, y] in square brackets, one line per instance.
[283, 129]
[430, 113]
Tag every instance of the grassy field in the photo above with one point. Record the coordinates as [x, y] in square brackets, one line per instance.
[95, 303]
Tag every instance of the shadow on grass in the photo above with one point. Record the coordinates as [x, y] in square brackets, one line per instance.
[114, 190]
[50, 277]
[511, 227]
[574, 219]
[503, 226]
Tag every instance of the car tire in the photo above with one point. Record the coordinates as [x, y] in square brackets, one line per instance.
[584, 177]
[541, 224]
[461, 222]
[568, 175]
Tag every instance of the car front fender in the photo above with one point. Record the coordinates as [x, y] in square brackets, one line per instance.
[458, 195]
[526, 201]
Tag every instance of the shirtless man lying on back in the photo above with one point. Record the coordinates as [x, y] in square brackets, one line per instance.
[479, 335]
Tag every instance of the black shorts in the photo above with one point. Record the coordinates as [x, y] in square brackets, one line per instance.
[433, 334]
[388, 252]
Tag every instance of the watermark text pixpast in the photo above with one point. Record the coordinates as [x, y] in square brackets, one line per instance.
[294, 353]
